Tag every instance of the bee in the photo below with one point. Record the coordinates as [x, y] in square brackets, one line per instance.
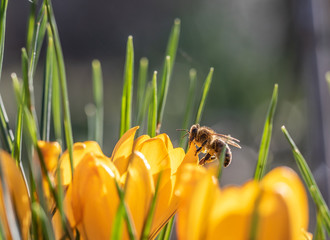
[211, 143]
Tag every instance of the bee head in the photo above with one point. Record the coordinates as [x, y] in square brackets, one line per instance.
[193, 132]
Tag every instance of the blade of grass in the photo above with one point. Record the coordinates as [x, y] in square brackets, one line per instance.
[63, 83]
[310, 181]
[3, 15]
[189, 106]
[122, 212]
[145, 105]
[221, 161]
[148, 222]
[126, 100]
[6, 133]
[47, 92]
[141, 88]
[266, 137]
[152, 115]
[16, 154]
[30, 26]
[319, 231]
[169, 60]
[46, 226]
[163, 93]
[90, 111]
[98, 100]
[56, 104]
[206, 89]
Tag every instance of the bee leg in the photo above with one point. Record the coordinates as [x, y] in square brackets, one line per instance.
[200, 148]
[205, 159]
[227, 160]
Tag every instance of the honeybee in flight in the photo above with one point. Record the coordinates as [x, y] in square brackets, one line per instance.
[211, 143]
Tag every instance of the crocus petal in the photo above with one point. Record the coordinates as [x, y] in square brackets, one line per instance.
[192, 219]
[19, 195]
[286, 182]
[231, 214]
[176, 156]
[139, 191]
[166, 140]
[79, 151]
[94, 198]
[123, 149]
[50, 152]
[155, 152]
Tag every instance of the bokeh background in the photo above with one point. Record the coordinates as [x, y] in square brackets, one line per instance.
[252, 44]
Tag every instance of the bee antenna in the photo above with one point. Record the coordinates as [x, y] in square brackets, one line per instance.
[185, 135]
[185, 130]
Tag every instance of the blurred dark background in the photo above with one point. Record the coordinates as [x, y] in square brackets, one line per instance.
[252, 44]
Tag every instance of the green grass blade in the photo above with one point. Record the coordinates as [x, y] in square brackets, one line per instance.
[63, 83]
[319, 231]
[3, 15]
[16, 154]
[148, 222]
[98, 100]
[30, 26]
[122, 213]
[56, 104]
[310, 182]
[90, 111]
[141, 88]
[189, 106]
[168, 229]
[169, 61]
[266, 137]
[126, 101]
[163, 92]
[25, 74]
[46, 225]
[152, 115]
[47, 92]
[6, 133]
[221, 161]
[206, 89]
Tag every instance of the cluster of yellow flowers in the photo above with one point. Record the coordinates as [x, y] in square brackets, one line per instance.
[274, 208]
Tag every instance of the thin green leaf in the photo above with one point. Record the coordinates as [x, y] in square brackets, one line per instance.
[169, 61]
[47, 92]
[46, 225]
[56, 104]
[152, 115]
[30, 26]
[266, 137]
[189, 106]
[163, 93]
[16, 154]
[319, 231]
[141, 89]
[98, 100]
[148, 222]
[25, 74]
[63, 83]
[122, 212]
[90, 111]
[3, 16]
[206, 89]
[168, 229]
[221, 161]
[310, 182]
[126, 100]
[7, 135]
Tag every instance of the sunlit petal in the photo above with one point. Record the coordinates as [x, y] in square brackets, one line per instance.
[50, 152]
[19, 195]
[139, 190]
[123, 149]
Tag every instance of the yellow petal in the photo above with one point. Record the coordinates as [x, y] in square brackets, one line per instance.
[94, 198]
[166, 140]
[192, 218]
[19, 196]
[286, 182]
[50, 152]
[140, 140]
[231, 214]
[139, 191]
[79, 151]
[177, 156]
[123, 149]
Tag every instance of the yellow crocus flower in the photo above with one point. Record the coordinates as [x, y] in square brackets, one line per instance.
[276, 208]
[91, 200]
[19, 198]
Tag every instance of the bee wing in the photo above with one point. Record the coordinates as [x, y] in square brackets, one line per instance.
[228, 140]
